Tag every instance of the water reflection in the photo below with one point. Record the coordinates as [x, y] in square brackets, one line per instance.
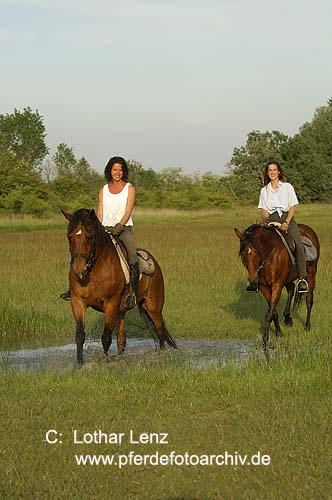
[198, 353]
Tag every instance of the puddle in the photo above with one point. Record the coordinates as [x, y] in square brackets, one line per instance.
[199, 353]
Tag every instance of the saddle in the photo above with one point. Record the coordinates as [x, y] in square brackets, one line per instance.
[310, 251]
[145, 262]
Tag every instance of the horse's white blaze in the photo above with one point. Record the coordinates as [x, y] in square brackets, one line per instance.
[78, 232]
[249, 250]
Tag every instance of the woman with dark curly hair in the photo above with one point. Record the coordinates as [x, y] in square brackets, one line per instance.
[277, 202]
[115, 206]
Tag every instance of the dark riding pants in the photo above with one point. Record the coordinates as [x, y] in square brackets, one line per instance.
[294, 232]
[127, 239]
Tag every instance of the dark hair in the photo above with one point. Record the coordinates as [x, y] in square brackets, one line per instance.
[108, 168]
[266, 177]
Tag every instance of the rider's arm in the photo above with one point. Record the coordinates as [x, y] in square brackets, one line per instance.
[100, 206]
[129, 205]
[265, 215]
[290, 215]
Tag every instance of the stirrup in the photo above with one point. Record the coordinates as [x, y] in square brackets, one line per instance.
[302, 286]
[131, 302]
[65, 295]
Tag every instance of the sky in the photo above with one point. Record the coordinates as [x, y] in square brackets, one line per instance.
[167, 83]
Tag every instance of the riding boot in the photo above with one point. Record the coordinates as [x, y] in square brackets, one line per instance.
[134, 280]
[65, 295]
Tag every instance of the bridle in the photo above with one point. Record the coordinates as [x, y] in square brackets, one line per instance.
[83, 276]
[257, 244]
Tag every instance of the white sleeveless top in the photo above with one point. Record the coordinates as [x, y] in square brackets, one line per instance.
[114, 206]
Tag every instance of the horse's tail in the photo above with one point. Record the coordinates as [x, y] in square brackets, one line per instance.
[298, 300]
[167, 337]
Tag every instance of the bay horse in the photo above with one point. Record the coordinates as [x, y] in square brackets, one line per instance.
[97, 280]
[269, 264]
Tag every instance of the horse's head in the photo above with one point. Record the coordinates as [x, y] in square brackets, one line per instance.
[250, 251]
[81, 234]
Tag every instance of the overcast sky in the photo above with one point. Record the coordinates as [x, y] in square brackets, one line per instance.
[168, 83]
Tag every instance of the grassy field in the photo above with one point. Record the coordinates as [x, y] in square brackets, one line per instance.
[277, 406]
[198, 252]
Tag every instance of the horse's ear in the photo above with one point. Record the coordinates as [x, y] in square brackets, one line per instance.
[67, 215]
[92, 214]
[238, 233]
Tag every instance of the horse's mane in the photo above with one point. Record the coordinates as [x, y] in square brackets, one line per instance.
[88, 218]
[250, 235]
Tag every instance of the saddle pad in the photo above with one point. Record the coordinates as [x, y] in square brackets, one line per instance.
[310, 251]
[145, 262]
[123, 260]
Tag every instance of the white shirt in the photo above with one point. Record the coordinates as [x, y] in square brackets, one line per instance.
[114, 206]
[277, 200]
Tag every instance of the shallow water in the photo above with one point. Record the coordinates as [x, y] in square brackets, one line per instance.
[192, 352]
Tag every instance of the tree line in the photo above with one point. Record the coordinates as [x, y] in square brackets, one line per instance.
[34, 182]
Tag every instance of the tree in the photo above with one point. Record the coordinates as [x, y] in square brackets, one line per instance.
[76, 184]
[22, 134]
[64, 160]
[308, 157]
[247, 163]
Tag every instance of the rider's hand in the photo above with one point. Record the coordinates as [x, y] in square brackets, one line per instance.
[284, 226]
[117, 229]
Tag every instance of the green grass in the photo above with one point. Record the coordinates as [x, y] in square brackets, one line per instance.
[279, 409]
[277, 405]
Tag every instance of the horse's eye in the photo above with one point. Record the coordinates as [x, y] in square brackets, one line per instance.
[89, 237]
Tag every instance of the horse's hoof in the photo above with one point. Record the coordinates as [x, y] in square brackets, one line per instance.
[288, 321]
[121, 350]
[279, 334]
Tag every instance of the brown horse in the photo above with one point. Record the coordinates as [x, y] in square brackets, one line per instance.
[269, 264]
[97, 280]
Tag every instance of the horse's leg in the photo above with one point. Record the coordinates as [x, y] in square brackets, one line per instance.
[290, 287]
[266, 292]
[310, 295]
[79, 313]
[121, 334]
[275, 318]
[310, 303]
[111, 319]
[272, 298]
[150, 304]
[154, 319]
[275, 297]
